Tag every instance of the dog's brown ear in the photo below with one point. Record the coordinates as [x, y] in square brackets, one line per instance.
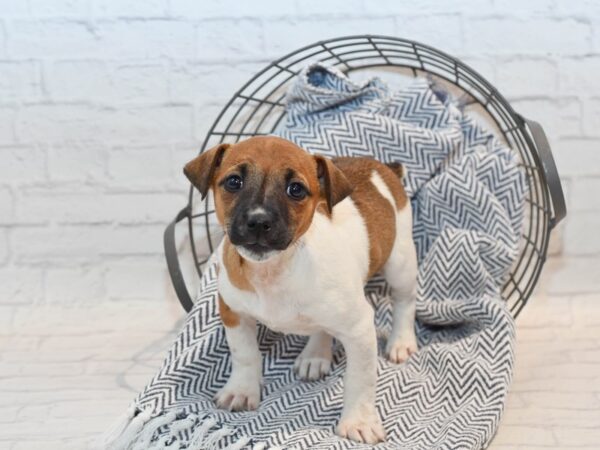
[335, 187]
[201, 170]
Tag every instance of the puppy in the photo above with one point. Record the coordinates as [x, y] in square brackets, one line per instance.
[303, 234]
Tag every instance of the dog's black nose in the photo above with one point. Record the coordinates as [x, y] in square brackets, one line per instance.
[259, 222]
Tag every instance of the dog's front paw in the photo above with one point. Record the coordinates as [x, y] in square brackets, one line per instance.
[238, 396]
[312, 367]
[398, 350]
[361, 429]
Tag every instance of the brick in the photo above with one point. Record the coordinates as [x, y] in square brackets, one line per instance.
[587, 356]
[554, 417]
[120, 83]
[150, 166]
[533, 35]
[136, 240]
[7, 206]
[74, 285]
[33, 413]
[244, 41]
[20, 80]
[577, 75]
[20, 285]
[448, 36]
[563, 400]
[130, 8]
[131, 125]
[591, 111]
[60, 8]
[582, 196]
[137, 279]
[229, 8]
[584, 8]
[335, 7]
[532, 6]
[145, 207]
[60, 122]
[4, 248]
[577, 435]
[524, 435]
[12, 8]
[66, 244]
[76, 408]
[142, 39]
[51, 369]
[8, 117]
[79, 243]
[3, 44]
[80, 79]
[286, 35]
[558, 116]
[22, 163]
[52, 39]
[76, 161]
[425, 6]
[582, 237]
[42, 205]
[587, 311]
[143, 82]
[577, 157]
[54, 444]
[8, 414]
[189, 81]
[571, 276]
[7, 314]
[527, 77]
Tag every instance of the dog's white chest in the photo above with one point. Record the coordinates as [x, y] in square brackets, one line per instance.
[308, 291]
[281, 302]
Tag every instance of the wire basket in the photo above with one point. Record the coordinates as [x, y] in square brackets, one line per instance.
[258, 108]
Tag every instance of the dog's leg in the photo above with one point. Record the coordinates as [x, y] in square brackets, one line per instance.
[400, 271]
[315, 360]
[359, 420]
[242, 390]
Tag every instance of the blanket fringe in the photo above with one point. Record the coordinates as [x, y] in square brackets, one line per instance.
[135, 432]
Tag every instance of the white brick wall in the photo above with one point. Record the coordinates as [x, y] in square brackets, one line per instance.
[102, 101]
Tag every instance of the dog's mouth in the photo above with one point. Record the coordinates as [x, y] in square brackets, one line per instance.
[257, 248]
[257, 252]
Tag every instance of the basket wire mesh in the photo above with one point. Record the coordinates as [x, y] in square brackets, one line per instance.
[258, 108]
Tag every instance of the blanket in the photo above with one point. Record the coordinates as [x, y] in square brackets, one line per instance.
[467, 193]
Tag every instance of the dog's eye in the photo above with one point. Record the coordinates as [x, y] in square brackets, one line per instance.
[233, 183]
[296, 191]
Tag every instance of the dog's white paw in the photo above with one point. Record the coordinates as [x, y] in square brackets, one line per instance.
[398, 350]
[312, 368]
[239, 395]
[361, 429]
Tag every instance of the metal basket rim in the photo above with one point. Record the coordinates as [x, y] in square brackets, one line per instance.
[493, 96]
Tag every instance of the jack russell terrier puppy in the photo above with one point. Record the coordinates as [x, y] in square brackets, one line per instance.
[303, 234]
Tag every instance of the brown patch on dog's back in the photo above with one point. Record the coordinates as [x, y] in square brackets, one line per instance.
[377, 212]
[228, 316]
[392, 178]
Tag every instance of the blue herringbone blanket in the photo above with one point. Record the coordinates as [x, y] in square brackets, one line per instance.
[467, 194]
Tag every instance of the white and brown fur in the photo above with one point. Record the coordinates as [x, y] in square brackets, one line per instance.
[356, 222]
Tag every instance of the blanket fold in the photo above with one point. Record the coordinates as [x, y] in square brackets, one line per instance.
[467, 192]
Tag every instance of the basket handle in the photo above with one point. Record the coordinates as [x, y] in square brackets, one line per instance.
[173, 261]
[551, 174]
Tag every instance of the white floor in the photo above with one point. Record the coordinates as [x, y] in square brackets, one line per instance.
[65, 372]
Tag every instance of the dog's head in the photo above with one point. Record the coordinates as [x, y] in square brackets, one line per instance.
[266, 191]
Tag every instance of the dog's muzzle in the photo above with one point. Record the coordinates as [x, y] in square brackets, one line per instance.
[259, 231]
